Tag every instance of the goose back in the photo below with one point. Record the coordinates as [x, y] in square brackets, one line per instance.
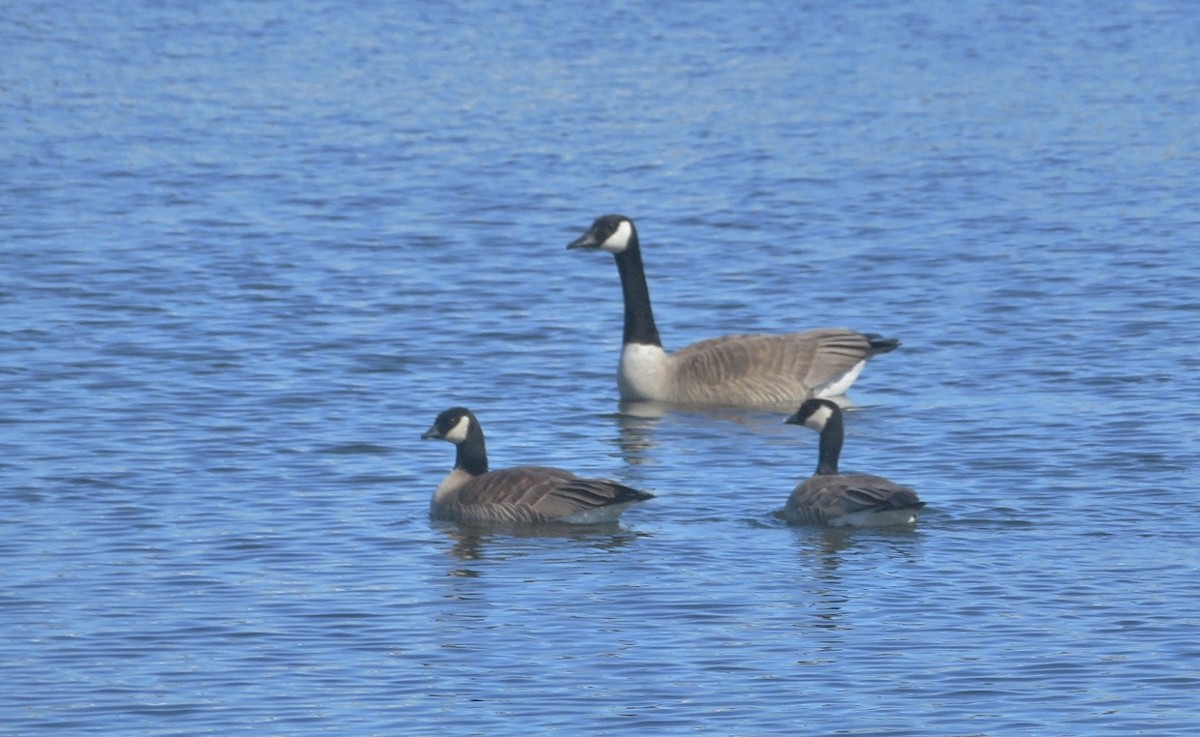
[856, 499]
[757, 369]
[532, 494]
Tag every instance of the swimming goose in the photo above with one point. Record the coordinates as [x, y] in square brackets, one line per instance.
[524, 494]
[840, 500]
[738, 370]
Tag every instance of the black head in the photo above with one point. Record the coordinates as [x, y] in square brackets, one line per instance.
[612, 233]
[815, 414]
[453, 425]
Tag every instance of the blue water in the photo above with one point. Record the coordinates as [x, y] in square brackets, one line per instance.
[250, 250]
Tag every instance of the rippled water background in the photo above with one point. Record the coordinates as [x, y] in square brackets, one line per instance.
[251, 249]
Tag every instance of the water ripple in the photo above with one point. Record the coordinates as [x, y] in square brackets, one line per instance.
[251, 254]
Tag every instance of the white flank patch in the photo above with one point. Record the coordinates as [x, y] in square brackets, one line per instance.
[817, 420]
[643, 373]
[867, 518]
[458, 433]
[619, 240]
[839, 385]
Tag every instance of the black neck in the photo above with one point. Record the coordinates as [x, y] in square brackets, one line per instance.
[639, 320]
[471, 454]
[831, 446]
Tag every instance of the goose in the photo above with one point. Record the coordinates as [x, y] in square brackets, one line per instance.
[844, 500]
[736, 370]
[522, 495]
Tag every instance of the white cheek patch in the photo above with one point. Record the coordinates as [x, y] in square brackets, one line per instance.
[617, 242]
[817, 420]
[458, 433]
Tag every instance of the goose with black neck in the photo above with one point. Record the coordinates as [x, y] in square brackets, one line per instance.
[521, 495]
[829, 497]
[747, 370]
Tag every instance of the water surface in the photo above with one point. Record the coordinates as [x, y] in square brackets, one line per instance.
[251, 250]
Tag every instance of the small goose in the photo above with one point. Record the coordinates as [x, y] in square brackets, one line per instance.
[737, 370]
[524, 494]
[841, 500]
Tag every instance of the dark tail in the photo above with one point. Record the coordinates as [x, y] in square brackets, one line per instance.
[627, 494]
[880, 344]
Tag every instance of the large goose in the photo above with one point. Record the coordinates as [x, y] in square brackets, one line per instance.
[524, 494]
[738, 370]
[842, 500]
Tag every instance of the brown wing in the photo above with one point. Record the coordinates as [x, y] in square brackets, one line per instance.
[528, 494]
[766, 369]
[821, 499]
